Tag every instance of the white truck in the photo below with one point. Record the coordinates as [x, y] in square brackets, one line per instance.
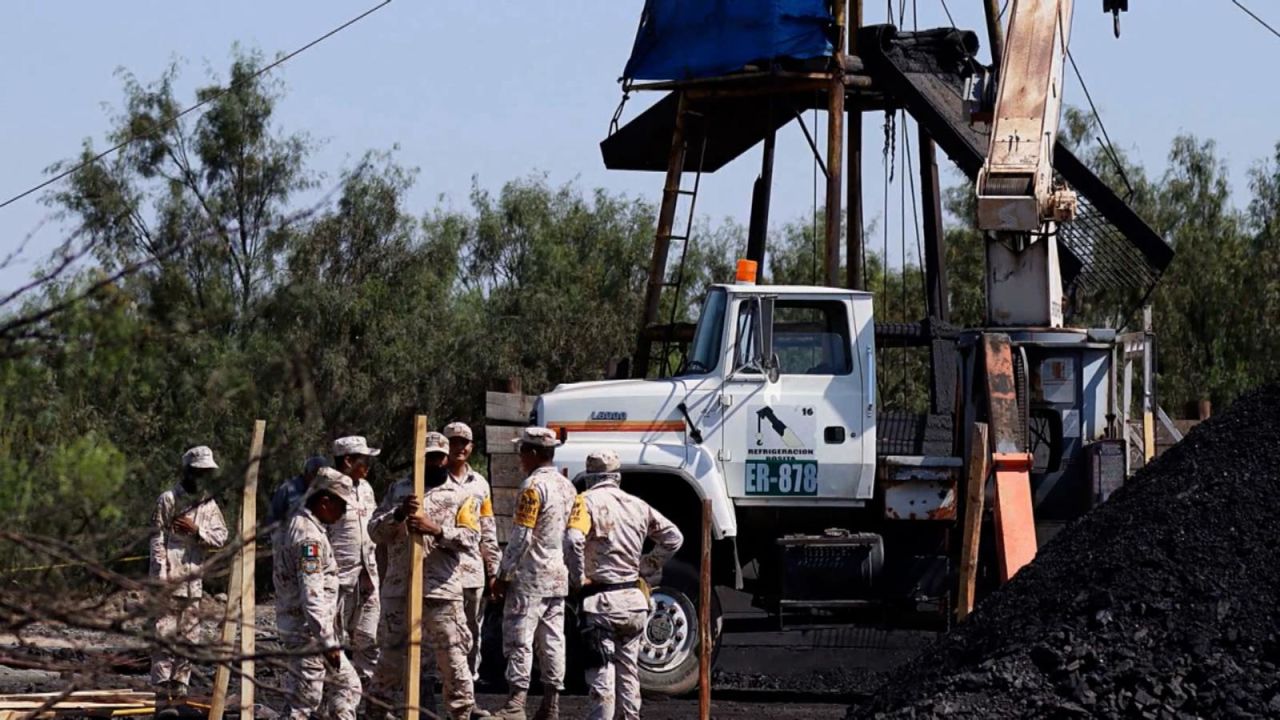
[772, 419]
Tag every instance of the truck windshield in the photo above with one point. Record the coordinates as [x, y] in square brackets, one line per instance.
[704, 352]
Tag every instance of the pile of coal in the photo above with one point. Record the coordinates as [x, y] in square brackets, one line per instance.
[1162, 603]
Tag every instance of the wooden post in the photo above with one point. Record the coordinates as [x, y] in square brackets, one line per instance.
[855, 275]
[231, 617]
[413, 668]
[248, 562]
[835, 153]
[1148, 388]
[662, 238]
[704, 618]
[935, 251]
[241, 600]
[975, 490]
[995, 32]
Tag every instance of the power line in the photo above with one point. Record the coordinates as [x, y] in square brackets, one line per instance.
[217, 94]
[1254, 15]
[947, 10]
[1108, 146]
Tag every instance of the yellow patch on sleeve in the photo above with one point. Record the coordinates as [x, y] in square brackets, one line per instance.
[579, 517]
[527, 509]
[466, 517]
[486, 508]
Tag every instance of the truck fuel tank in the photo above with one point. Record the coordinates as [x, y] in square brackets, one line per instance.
[833, 566]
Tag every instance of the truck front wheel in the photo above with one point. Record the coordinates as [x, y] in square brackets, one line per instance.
[670, 643]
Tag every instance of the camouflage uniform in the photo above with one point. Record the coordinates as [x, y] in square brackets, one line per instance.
[533, 563]
[444, 625]
[306, 581]
[358, 606]
[606, 534]
[176, 559]
[478, 561]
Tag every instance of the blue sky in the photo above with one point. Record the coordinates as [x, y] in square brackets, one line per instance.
[502, 89]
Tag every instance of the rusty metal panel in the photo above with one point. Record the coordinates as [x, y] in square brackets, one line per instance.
[1003, 415]
[919, 493]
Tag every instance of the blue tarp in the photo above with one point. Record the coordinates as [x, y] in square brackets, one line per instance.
[683, 39]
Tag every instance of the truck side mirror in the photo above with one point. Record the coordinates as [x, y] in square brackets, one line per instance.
[768, 358]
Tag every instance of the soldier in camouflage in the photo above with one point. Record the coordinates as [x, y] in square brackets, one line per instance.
[306, 581]
[479, 564]
[358, 605]
[184, 526]
[603, 543]
[533, 578]
[449, 520]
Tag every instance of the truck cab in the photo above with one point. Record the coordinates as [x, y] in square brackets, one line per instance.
[774, 406]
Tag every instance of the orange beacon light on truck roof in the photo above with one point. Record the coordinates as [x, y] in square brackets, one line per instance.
[746, 272]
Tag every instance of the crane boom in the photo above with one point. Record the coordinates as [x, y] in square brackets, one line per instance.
[1015, 186]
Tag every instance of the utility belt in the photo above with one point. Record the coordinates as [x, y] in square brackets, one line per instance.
[597, 588]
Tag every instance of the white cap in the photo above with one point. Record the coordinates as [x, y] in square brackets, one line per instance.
[335, 483]
[353, 445]
[437, 443]
[537, 437]
[458, 430]
[199, 456]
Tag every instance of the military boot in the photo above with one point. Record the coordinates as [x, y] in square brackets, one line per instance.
[514, 708]
[549, 709]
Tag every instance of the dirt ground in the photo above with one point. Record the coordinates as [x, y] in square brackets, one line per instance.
[761, 672]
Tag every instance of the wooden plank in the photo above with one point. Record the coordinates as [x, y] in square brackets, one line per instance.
[230, 620]
[505, 472]
[704, 617]
[504, 527]
[979, 468]
[508, 407]
[504, 501]
[497, 439]
[248, 555]
[413, 668]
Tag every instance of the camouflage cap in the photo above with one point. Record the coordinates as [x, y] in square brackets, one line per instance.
[437, 443]
[538, 437]
[199, 456]
[353, 445]
[333, 482]
[458, 430]
[604, 461]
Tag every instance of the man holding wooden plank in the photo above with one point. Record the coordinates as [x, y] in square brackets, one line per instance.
[306, 580]
[358, 604]
[479, 564]
[449, 519]
[185, 525]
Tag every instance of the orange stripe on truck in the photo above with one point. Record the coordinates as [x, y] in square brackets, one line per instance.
[636, 426]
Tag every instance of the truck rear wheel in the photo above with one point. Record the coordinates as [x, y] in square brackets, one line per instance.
[670, 644]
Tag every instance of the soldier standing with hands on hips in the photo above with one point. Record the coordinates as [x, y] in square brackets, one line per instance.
[603, 544]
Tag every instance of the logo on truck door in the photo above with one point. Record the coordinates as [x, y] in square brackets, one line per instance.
[779, 459]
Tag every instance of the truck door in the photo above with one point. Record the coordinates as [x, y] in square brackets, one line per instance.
[798, 440]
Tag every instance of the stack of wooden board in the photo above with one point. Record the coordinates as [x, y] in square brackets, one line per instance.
[84, 703]
[506, 414]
